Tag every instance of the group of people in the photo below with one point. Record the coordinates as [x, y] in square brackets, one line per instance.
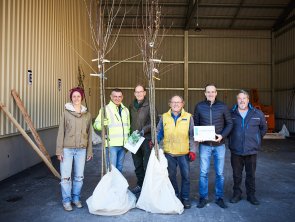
[244, 126]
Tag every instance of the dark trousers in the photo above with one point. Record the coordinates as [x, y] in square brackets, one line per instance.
[183, 163]
[238, 162]
[140, 160]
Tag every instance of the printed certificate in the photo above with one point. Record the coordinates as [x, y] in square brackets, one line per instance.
[204, 133]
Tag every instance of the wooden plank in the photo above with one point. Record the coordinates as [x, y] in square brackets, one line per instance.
[274, 136]
[29, 140]
[29, 121]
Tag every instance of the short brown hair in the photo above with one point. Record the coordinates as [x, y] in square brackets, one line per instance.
[210, 84]
[244, 92]
[117, 90]
[139, 84]
[182, 100]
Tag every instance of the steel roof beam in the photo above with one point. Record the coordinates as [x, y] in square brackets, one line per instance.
[214, 5]
[207, 27]
[236, 14]
[190, 16]
[228, 5]
[281, 21]
[206, 17]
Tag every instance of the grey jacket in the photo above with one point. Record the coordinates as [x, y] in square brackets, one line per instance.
[140, 119]
[74, 130]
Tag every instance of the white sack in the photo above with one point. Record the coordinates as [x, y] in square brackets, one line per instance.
[157, 194]
[284, 131]
[111, 195]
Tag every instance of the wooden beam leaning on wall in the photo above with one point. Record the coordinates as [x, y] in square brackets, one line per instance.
[29, 121]
[29, 140]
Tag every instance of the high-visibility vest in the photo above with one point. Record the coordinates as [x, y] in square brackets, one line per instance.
[118, 126]
[176, 136]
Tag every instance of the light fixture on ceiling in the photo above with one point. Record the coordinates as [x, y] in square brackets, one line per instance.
[198, 29]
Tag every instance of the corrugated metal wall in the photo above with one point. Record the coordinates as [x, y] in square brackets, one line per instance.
[231, 59]
[38, 35]
[284, 76]
[42, 36]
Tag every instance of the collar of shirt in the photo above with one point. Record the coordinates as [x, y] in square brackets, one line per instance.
[243, 114]
[175, 117]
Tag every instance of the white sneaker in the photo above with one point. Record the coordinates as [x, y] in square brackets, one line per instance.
[78, 204]
[67, 206]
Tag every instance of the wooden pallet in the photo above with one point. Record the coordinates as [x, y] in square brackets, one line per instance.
[274, 136]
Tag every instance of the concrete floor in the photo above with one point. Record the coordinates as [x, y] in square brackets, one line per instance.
[34, 195]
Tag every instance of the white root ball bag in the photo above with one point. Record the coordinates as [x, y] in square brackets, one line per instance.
[157, 194]
[111, 195]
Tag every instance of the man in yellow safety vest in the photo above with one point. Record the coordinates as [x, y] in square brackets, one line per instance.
[117, 120]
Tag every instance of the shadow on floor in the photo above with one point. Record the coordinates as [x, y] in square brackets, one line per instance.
[34, 194]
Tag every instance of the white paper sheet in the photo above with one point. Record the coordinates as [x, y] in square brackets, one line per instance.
[204, 133]
[134, 147]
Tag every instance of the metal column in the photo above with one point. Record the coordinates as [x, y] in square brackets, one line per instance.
[185, 71]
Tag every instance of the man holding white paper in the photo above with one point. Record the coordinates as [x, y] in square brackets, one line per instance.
[212, 112]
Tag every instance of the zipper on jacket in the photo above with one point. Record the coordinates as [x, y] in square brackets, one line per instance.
[116, 117]
[122, 128]
[243, 130]
[211, 114]
[211, 121]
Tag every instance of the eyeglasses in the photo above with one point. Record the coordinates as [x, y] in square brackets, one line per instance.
[137, 92]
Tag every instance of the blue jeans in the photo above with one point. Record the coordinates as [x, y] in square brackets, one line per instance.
[184, 168]
[117, 156]
[218, 153]
[70, 193]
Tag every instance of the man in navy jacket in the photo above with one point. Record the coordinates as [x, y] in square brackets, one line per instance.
[212, 112]
[244, 142]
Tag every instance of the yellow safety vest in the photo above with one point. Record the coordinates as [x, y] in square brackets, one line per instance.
[176, 136]
[119, 126]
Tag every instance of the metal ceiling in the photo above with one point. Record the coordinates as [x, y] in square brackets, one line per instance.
[213, 14]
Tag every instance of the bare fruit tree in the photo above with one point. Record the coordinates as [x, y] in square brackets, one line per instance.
[102, 15]
[150, 37]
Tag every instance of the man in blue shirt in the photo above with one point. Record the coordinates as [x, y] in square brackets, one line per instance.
[176, 129]
[244, 142]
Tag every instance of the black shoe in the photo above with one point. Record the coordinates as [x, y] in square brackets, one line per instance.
[235, 199]
[186, 204]
[220, 203]
[136, 190]
[202, 203]
[137, 195]
[252, 199]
